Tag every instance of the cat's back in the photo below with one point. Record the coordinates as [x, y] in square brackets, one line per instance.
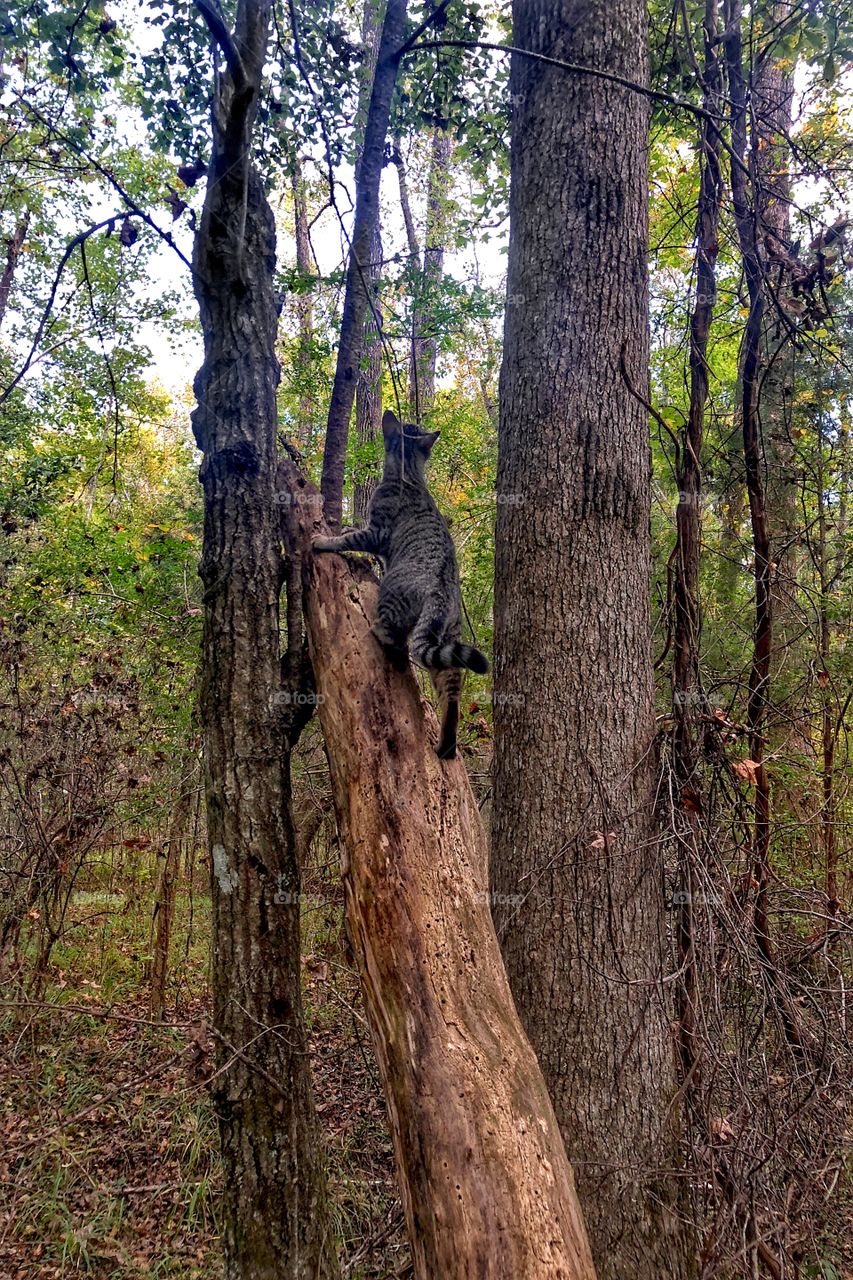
[417, 532]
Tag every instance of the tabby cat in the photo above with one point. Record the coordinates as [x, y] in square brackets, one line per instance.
[419, 601]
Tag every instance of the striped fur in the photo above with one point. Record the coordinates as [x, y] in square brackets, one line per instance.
[419, 602]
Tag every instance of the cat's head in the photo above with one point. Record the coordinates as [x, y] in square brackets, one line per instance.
[405, 437]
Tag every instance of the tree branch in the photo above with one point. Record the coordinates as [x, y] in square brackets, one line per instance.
[218, 28]
[80, 239]
[430, 20]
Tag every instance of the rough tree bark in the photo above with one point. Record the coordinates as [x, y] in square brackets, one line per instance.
[486, 1185]
[274, 1220]
[355, 295]
[576, 859]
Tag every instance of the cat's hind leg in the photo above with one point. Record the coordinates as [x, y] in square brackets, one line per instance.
[395, 616]
[436, 650]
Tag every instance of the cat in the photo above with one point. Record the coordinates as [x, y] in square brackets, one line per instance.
[419, 600]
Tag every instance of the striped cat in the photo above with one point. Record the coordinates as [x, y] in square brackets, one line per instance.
[419, 601]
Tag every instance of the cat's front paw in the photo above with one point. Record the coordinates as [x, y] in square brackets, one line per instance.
[323, 544]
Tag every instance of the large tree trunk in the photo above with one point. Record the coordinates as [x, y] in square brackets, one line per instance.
[576, 860]
[487, 1188]
[274, 1220]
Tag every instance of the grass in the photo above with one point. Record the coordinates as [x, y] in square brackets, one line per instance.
[108, 1144]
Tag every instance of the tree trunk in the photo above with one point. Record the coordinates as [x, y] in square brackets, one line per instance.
[355, 295]
[749, 375]
[486, 1186]
[274, 1221]
[771, 98]
[576, 862]
[164, 905]
[424, 338]
[686, 688]
[368, 387]
[304, 311]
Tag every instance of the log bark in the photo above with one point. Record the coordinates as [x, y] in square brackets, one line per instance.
[487, 1188]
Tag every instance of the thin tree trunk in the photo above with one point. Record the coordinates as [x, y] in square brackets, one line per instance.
[164, 905]
[750, 370]
[304, 309]
[487, 1189]
[275, 1225]
[355, 296]
[368, 387]
[827, 817]
[770, 105]
[754, 464]
[424, 339]
[687, 629]
[13, 253]
[576, 853]
[406, 204]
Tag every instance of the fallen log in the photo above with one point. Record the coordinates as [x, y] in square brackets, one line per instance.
[487, 1187]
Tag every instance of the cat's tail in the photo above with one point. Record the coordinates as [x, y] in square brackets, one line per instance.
[441, 657]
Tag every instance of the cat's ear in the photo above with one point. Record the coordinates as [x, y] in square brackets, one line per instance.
[427, 440]
[390, 424]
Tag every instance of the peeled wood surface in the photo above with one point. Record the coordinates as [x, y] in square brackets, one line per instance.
[486, 1184]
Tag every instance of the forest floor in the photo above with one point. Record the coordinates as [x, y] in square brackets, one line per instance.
[108, 1145]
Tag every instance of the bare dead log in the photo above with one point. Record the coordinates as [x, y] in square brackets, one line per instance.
[486, 1184]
